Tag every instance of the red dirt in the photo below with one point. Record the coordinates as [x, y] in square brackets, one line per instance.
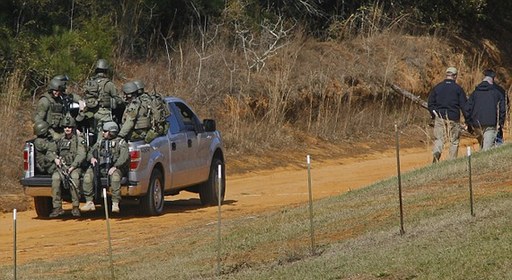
[248, 194]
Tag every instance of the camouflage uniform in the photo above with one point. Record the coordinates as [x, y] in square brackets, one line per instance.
[100, 105]
[136, 120]
[50, 109]
[119, 158]
[72, 152]
[45, 148]
[68, 98]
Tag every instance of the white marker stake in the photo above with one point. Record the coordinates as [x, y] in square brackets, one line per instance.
[105, 203]
[399, 178]
[219, 199]
[312, 231]
[470, 182]
[14, 233]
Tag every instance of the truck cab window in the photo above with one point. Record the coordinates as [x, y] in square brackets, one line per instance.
[173, 123]
[187, 116]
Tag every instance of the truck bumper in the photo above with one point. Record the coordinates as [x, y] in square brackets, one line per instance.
[42, 187]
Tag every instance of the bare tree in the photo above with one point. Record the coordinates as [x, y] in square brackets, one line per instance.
[274, 36]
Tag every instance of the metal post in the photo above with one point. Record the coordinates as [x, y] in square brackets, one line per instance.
[312, 230]
[399, 176]
[470, 182]
[219, 193]
[14, 239]
[108, 232]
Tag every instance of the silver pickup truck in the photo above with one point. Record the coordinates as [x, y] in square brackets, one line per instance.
[187, 158]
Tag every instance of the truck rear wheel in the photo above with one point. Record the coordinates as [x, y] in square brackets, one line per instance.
[209, 190]
[152, 203]
[43, 206]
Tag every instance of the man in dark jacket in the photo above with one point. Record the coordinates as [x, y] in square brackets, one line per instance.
[445, 103]
[491, 73]
[486, 112]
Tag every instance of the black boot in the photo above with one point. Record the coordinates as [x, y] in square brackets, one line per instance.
[75, 211]
[57, 212]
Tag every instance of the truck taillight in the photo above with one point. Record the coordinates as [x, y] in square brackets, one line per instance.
[25, 160]
[28, 160]
[134, 159]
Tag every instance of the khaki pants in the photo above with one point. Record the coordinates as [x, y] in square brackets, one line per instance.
[56, 189]
[446, 130]
[486, 136]
[115, 185]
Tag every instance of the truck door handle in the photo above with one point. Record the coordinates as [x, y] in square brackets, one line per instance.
[173, 146]
[189, 142]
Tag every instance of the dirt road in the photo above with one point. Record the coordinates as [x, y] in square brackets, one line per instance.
[248, 194]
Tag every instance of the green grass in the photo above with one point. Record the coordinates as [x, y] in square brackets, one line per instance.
[356, 235]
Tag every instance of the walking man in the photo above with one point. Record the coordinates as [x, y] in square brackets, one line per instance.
[445, 103]
[486, 112]
[492, 74]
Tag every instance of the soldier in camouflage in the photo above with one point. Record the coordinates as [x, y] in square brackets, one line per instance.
[45, 147]
[69, 156]
[101, 98]
[69, 98]
[136, 117]
[113, 153]
[50, 108]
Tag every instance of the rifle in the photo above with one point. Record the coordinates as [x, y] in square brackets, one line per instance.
[108, 159]
[97, 174]
[86, 134]
[66, 178]
[67, 100]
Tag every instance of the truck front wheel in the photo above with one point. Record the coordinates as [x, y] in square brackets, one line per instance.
[43, 206]
[153, 202]
[209, 190]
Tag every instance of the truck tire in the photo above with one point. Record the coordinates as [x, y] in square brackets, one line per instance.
[152, 203]
[43, 206]
[209, 190]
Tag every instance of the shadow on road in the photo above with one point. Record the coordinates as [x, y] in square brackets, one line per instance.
[130, 210]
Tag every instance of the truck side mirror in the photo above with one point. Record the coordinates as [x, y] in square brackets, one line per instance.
[209, 125]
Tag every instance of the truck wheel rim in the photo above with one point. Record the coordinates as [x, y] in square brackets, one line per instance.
[157, 194]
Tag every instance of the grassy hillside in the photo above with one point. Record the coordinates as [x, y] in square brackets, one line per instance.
[357, 235]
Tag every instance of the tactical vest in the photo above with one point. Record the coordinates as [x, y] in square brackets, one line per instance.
[143, 120]
[44, 147]
[67, 149]
[95, 94]
[109, 152]
[56, 111]
[159, 113]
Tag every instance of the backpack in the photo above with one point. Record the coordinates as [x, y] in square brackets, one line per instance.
[93, 88]
[158, 111]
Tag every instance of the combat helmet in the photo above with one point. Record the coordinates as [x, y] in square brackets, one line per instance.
[101, 65]
[130, 88]
[41, 128]
[56, 85]
[64, 79]
[68, 121]
[140, 86]
[111, 127]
